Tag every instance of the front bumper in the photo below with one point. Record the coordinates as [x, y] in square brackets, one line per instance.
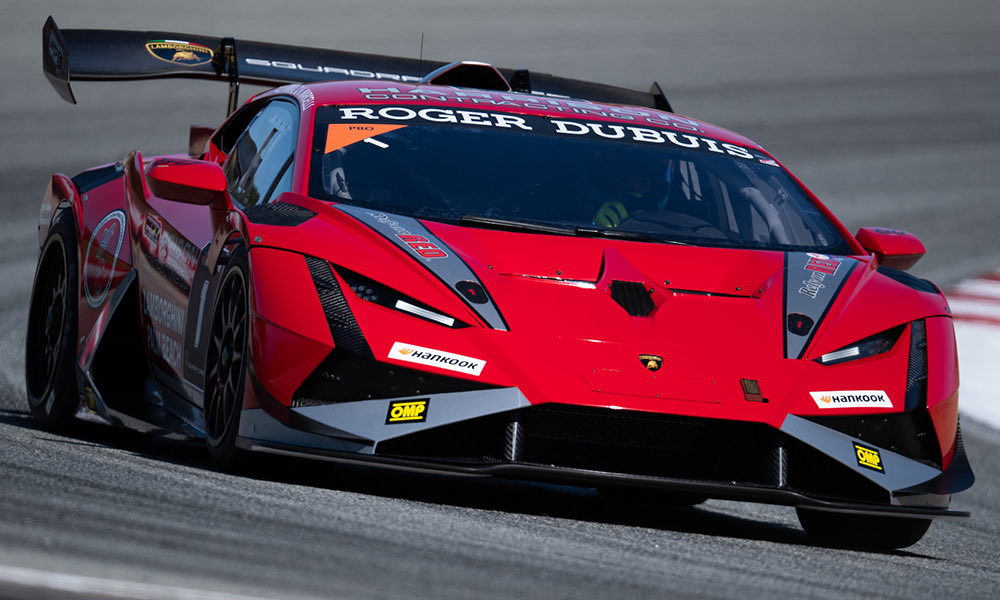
[496, 432]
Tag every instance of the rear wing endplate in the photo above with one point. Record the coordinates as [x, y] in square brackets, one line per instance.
[113, 55]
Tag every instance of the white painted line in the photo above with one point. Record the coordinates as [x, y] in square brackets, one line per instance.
[65, 583]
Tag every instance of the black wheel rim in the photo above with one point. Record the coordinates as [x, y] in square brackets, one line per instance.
[47, 335]
[226, 359]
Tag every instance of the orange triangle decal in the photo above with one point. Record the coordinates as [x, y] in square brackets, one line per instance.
[343, 135]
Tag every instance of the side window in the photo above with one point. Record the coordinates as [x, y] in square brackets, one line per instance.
[259, 165]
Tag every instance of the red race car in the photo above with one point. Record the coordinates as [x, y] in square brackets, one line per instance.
[493, 272]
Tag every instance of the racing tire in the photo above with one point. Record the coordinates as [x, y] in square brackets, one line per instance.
[862, 531]
[226, 366]
[50, 341]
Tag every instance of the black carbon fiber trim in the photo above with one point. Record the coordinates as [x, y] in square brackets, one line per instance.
[910, 281]
[345, 377]
[93, 178]
[346, 333]
[909, 433]
[956, 478]
[916, 373]
[633, 297]
[278, 213]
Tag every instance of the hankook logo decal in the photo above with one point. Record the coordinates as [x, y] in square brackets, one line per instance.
[852, 399]
[437, 358]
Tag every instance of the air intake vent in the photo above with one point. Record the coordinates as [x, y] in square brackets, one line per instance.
[633, 297]
[278, 213]
[346, 333]
[468, 74]
[916, 374]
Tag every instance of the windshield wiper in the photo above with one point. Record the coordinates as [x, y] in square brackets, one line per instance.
[505, 225]
[619, 234]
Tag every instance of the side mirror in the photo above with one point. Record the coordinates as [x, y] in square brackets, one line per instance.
[893, 248]
[189, 181]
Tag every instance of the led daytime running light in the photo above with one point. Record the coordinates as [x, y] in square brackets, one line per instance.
[840, 354]
[423, 312]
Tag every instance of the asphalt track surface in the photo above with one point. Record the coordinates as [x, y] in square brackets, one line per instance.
[887, 110]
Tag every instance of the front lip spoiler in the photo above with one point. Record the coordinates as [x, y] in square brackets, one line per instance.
[584, 477]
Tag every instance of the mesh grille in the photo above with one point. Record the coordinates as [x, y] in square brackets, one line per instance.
[633, 297]
[639, 443]
[909, 433]
[278, 213]
[916, 373]
[344, 328]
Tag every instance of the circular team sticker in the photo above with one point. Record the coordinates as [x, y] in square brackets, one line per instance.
[102, 256]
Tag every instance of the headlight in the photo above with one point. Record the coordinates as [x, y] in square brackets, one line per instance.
[373, 291]
[870, 346]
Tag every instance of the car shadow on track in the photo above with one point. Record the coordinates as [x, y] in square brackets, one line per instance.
[489, 494]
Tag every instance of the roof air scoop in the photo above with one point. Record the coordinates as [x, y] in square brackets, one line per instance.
[633, 297]
[470, 74]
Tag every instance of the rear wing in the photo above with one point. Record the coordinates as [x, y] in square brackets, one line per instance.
[112, 55]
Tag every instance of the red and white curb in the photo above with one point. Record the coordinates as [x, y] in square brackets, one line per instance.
[977, 300]
[975, 305]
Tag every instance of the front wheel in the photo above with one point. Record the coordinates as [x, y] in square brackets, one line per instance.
[862, 531]
[50, 342]
[226, 367]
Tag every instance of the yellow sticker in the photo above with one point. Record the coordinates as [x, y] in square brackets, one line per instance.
[407, 411]
[869, 458]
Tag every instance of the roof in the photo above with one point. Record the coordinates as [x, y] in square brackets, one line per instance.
[396, 93]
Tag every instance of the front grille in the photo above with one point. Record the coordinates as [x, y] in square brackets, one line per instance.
[640, 444]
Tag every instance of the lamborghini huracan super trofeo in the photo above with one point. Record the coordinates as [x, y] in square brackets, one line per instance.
[495, 272]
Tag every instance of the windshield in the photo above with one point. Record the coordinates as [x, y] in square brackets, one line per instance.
[577, 177]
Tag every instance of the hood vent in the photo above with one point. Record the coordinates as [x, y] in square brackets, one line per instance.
[633, 297]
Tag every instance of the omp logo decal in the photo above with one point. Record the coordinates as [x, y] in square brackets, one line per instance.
[437, 358]
[179, 52]
[407, 411]
[852, 399]
[868, 458]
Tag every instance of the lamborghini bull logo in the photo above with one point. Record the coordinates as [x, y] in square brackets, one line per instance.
[651, 361]
[180, 52]
[184, 56]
